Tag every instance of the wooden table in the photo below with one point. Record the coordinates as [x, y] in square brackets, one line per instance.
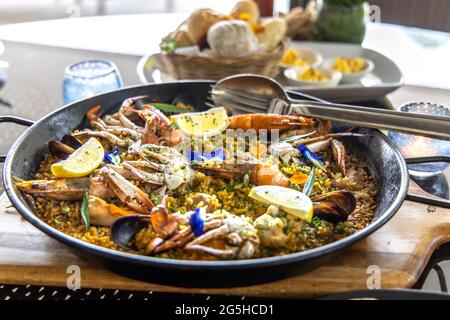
[400, 249]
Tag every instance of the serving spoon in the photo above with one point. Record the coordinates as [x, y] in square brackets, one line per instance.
[259, 94]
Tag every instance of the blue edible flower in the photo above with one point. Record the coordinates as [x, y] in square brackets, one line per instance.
[218, 154]
[311, 157]
[197, 223]
[112, 157]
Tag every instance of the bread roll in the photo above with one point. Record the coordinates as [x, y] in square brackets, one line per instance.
[232, 39]
[247, 7]
[199, 23]
[274, 30]
[300, 22]
[181, 36]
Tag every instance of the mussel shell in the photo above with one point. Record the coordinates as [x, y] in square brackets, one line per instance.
[71, 141]
[59, 149]
[185, 99]
[342, 198]
[124, 230]
[140, 101]
[330, 212]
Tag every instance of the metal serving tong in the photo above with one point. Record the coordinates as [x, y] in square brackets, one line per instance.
[249, 93]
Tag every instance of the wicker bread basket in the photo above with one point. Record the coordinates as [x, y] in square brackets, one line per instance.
[179, 67]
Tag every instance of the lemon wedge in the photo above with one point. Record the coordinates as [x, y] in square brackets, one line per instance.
[289, 200]
[206, 124]
[81, 162]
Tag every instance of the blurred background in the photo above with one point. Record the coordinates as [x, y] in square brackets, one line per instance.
[13, 11]
[430, 14]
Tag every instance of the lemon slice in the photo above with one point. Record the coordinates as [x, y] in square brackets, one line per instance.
[81, 162]
[208, 123]
[289, 200]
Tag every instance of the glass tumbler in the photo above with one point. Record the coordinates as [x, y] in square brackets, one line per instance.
[85, 79]
[417, 146]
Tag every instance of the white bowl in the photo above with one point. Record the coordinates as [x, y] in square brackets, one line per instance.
[313, 58]
[351, 77]
[334, 77]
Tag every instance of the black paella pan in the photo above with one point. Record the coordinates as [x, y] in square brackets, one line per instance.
[22, 161]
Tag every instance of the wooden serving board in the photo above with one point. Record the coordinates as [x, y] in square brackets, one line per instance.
[401, 249]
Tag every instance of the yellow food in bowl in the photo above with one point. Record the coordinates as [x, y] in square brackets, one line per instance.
[291, 57]
[311, 74]
[349, 65]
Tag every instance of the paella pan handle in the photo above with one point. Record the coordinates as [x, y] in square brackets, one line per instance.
[17, 120]
[423, 199]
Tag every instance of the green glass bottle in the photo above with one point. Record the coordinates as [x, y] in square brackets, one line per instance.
[341, 20]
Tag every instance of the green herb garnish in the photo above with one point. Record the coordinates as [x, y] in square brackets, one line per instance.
[167, 107]
[85, 211]
[316, 222]
[157, 199]
[308, 187]
[339, 228]
[169, 46]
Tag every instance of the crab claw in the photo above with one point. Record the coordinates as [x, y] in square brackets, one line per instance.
[102, 213]
[259, 173]
[108, 136]
[66, 189]
[339, 154]
[132, 173]
[92, 113]
[172, 164]
[131, 102]
[128, 111]
[128, 193]
[334, 206]
[162, 221]
[62, 189]
[150, 113]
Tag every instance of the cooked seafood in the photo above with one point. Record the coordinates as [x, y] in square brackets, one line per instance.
[157, 193]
